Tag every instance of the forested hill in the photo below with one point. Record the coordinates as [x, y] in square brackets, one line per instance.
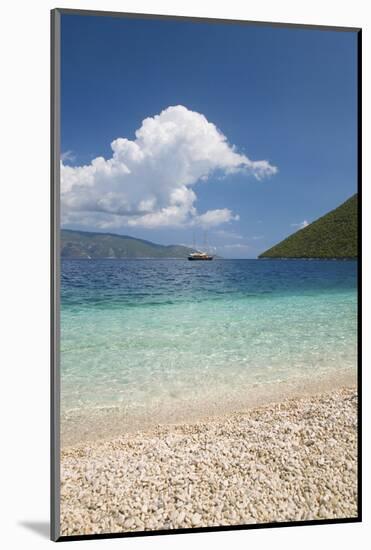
[334, 235]
[86, 244]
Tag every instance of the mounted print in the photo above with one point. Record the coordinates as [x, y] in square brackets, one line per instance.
[205, 224]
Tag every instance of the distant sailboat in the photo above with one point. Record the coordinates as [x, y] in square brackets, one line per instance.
[200, 255]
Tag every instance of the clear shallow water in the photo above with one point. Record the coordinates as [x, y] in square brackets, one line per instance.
[162, 340]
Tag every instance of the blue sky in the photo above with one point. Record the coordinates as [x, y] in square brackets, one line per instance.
[283, 96]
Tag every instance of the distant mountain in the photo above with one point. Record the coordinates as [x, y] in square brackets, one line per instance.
[332, 236]
[86, 244]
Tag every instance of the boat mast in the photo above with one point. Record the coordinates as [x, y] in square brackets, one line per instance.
[206, 242]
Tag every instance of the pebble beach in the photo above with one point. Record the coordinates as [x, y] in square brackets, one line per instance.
[289, 461]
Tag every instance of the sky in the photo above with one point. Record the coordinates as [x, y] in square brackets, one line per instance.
[172, 128]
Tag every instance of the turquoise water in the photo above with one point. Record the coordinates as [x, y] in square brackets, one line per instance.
[157, 340]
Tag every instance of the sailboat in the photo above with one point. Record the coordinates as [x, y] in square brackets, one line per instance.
[199, 255]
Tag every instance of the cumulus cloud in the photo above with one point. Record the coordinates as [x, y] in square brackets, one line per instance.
[212, 218]
[149, 181]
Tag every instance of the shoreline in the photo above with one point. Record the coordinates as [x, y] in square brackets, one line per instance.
[285, 461]
[108, 422]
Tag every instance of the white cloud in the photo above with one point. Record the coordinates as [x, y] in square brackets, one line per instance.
[235, 246]
[227, 234]
[300, 225]
[211, 218]
[150, 181]
[67, 156]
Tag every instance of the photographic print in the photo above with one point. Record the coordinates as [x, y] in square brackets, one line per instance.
[205, 241]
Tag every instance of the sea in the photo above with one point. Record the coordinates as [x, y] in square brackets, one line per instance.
[166, 341]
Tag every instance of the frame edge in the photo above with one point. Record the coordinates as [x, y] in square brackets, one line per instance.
[55, 269]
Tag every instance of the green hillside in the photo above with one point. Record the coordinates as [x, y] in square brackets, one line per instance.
[332, 236]
[86, 244]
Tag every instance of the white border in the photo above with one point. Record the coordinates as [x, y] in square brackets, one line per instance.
[24, 123]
